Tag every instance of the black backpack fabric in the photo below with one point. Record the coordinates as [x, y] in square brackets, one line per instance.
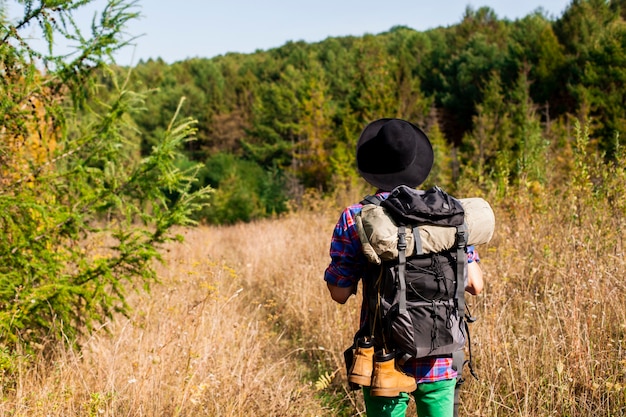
[416, 303]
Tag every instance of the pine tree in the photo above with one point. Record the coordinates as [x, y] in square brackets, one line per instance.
[82, 216]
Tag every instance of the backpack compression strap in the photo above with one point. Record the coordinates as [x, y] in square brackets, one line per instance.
[461, 263]
[402, 267]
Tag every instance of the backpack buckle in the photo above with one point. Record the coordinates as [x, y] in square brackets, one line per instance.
[401, 238]
[461, 236]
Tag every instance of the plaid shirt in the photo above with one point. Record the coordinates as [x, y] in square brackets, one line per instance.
[347, 266]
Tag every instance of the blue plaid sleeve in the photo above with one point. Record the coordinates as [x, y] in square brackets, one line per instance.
[472, 255]
[347, 262]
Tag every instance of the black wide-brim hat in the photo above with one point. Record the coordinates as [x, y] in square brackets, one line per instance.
[392, 152]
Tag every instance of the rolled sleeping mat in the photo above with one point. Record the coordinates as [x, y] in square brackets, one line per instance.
[379, 234]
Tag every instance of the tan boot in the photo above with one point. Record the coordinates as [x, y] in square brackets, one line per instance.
[363, 364]
[387, 380]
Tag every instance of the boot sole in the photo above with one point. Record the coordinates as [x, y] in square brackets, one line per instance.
[392, 392]
[364, 381]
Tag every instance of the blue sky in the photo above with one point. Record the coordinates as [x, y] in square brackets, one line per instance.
[176, 30]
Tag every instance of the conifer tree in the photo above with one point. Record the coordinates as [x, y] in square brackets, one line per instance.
[82, 216]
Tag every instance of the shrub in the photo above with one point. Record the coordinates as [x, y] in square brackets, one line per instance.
[82, 216]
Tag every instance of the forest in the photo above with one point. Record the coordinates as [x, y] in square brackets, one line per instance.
[143, 210]
[493, 95]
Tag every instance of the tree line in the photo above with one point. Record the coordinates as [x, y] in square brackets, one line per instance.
[495, 96]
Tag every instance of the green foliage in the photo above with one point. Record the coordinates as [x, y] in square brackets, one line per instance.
[442, 171]
[243, 190]
[531, 145]
[274, 127]
[343, 167]
[592, 33]
[507, 143]
[313, 165]
[490, 142]
[83, 216]
[535, 48]
[614, 182]
[581, 178]
[603, 79]
[462, 61]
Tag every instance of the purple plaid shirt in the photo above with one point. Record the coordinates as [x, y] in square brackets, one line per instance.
[347, 267]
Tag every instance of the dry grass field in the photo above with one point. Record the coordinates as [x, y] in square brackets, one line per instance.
[242, 325]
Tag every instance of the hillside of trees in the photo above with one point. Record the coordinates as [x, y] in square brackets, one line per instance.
[497, 97]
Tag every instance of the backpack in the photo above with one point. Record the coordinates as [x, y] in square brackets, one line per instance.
[415, 243]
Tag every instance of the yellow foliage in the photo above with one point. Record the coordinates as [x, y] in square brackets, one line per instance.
[31, 150]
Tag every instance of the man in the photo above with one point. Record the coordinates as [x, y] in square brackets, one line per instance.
[393, 152]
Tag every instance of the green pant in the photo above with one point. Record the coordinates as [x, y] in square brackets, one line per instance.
[432, 399]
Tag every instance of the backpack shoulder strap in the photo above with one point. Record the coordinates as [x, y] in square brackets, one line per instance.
[461, 259]
[371, 199]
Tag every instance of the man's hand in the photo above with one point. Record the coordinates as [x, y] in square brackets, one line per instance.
[341, 294]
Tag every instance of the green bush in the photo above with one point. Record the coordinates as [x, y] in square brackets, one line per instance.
[243, 190]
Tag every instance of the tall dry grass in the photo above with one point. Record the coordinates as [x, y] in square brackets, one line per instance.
[551, 339]
[215, 338]
[242, 324]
